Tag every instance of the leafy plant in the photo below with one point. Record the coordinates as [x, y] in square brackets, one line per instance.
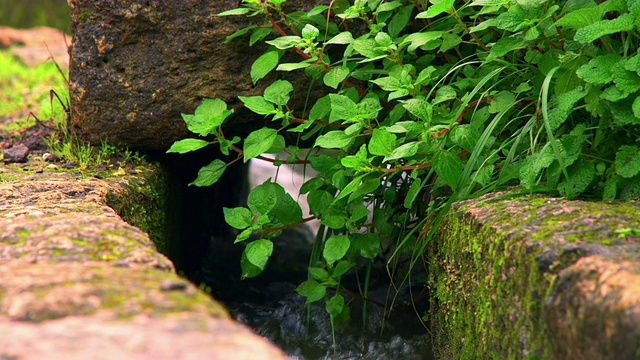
[428, 103]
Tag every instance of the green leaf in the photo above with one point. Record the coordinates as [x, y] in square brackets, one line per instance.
[449, 41]
[513, 20]
[350, 187]
[388, 83]
[466, 136]
[312, 290]
[259, 34]
[335, 76]
[285, 42]
[563, 106]
[238, 11]
[335, 248]
[262, 199]
[278, 92]
[419, 108]
[186, 145]
[382, 142]
[368, 245]
[598, 70]
[403, 151]
[335, 305]
[368, 48]
[258, 142]
[436, 9]
[334, 140]
[318, 273]
[416, 40]
[342, 108]
[239, 33]
[505, 45]
[581, 175]
[367, 187]
[579, 18]
[210, 174]
[286, 211]
[445, 93]
[448, 167]
[627, 163]
[358, 160]
[208, 116]
[400, 21]
[310, 32]
[255, 257]
[636, 107]
[589, 33]
[293, 66]
[263, 65]
[413, 192]
[342, 38]
[258, 105]
[239, 217]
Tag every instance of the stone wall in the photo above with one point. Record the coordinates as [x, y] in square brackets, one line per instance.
[537, 278]
[77, 282]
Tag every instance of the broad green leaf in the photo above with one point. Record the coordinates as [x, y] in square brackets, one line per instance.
[368, 245]
[259, 34]
[402, 152]
[319, 201]
[388, 83]
[505, 45]
[501, 101]
[368, 48]
[239, 33]
[416, 40]
[335, 139]
[563, 106]
[512, 20]
[436, 9]
[579, 18]
[279, 144]
[358, 160]
[286, 211]
[335, 248]
[310, 32]
[382, 142]
[341, 268]
[419, 108]
[400, 20]
[258, 142]
[239, 217]
[278, 92]
[318, 274]
[388, 6]
[335, 305]
[262, 199]
[581, 175]
[186, 145]
[444, 93]
[244, 235]
[342, 108]
[335, 76]
[258, 105]
[589, 33]
[383, 39]
[263, 65]
[321, 108]
[466, 136]
[342, 38]
[626, 81]
[208, 116]
[448, 167]
[598, 70]
[312, 290]
[610, 188]
[367, 187]
[425, 75]
[449, 41]
[627, 163]
[285, 42]
[636, 107]
[255, 258]
[210, 174]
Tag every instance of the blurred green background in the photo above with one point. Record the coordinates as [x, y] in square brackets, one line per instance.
[30, 13]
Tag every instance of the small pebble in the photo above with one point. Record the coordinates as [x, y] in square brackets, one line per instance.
[39, 171]
[169, 285]
[133, 172]
[50, 157]
[25, 169]
[69, 165]
[97, 176]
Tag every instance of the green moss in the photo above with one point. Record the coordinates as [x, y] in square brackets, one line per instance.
[487, 286]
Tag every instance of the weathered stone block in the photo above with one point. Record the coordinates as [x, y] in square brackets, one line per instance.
[536, 278]
[136, 65]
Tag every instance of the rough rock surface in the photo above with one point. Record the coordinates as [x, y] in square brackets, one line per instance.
[77, 282]
[17, 153]
[150, 61]
[517, 276]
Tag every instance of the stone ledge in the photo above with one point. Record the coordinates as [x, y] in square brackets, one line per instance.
[519, 277]
[78, 282]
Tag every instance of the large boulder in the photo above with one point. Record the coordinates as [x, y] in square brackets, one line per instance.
[136, 65]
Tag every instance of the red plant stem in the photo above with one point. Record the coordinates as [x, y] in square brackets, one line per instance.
[464, 111]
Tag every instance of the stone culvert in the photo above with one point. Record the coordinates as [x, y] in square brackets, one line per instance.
[78, 282]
